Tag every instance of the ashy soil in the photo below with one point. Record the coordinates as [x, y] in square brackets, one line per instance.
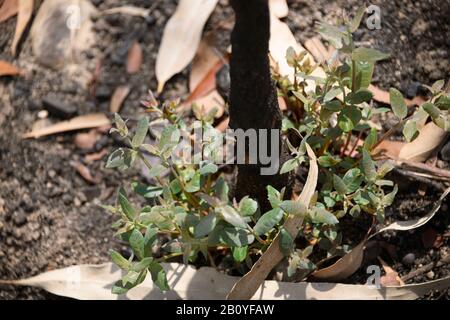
[50, 216]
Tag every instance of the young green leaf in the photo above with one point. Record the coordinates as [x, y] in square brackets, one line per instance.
[231, 216]
[286, 242]
[121, 125]
[247, 207]
[209, 168]
[126, 206]
[333, 93]
[320, 215]
[362, 95]
[142, 265]
[206, 225]
[289, 165]
[371, 140]
[141, 133]
[410, 130]
[388, 199]
[119, 260]
[357, 19]
[137, 243]
[129, 281]
[353, 179]
[274, 196]
[339, 185]
[368, 55]
[398, 103]
[116, 159]
[293, 207]
[147, 191]
[268, 221]
[368, 166]
[159, 276]
[239, 253]
[156, 171]
[150, 238]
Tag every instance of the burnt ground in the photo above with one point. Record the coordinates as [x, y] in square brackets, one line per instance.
[50, 216]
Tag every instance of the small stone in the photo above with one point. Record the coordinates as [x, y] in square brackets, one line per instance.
[1, 225]
[430, 275]
[409, 259]
[43, 114]
[77, 202]
[19, 218]
[58, 108]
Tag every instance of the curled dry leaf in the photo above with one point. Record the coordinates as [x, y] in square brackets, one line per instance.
[118, 97]
[94, 282]
[24, 15]
[351, 262]
[419, 150]
[84, 172]
[135, 58]
[181, 38]
[131, 10]
[279, 8]
[8, 9]
[7, 69]
[93, 120]
[344, 267]
[248, 285]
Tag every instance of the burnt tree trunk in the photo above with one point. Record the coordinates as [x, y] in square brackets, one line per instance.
[253, 97]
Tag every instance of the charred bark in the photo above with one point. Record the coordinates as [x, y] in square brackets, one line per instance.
[253, 97]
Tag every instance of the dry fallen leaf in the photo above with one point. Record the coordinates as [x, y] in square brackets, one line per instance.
[383, 96]
[24, 15]
[391, 278]
[317, 49]
[8, 9]
[351, 262]
[91, 157]
[118, 97]
[181, 38]
[7, 69]
[279, 8]
[131, 10]
[205, 59]
[204, 67]
[82, 122]
[135, 57]
[84, 172]
[344, 267]
[86, 140]
[248, 285]
[419, 150]
[94, 282]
